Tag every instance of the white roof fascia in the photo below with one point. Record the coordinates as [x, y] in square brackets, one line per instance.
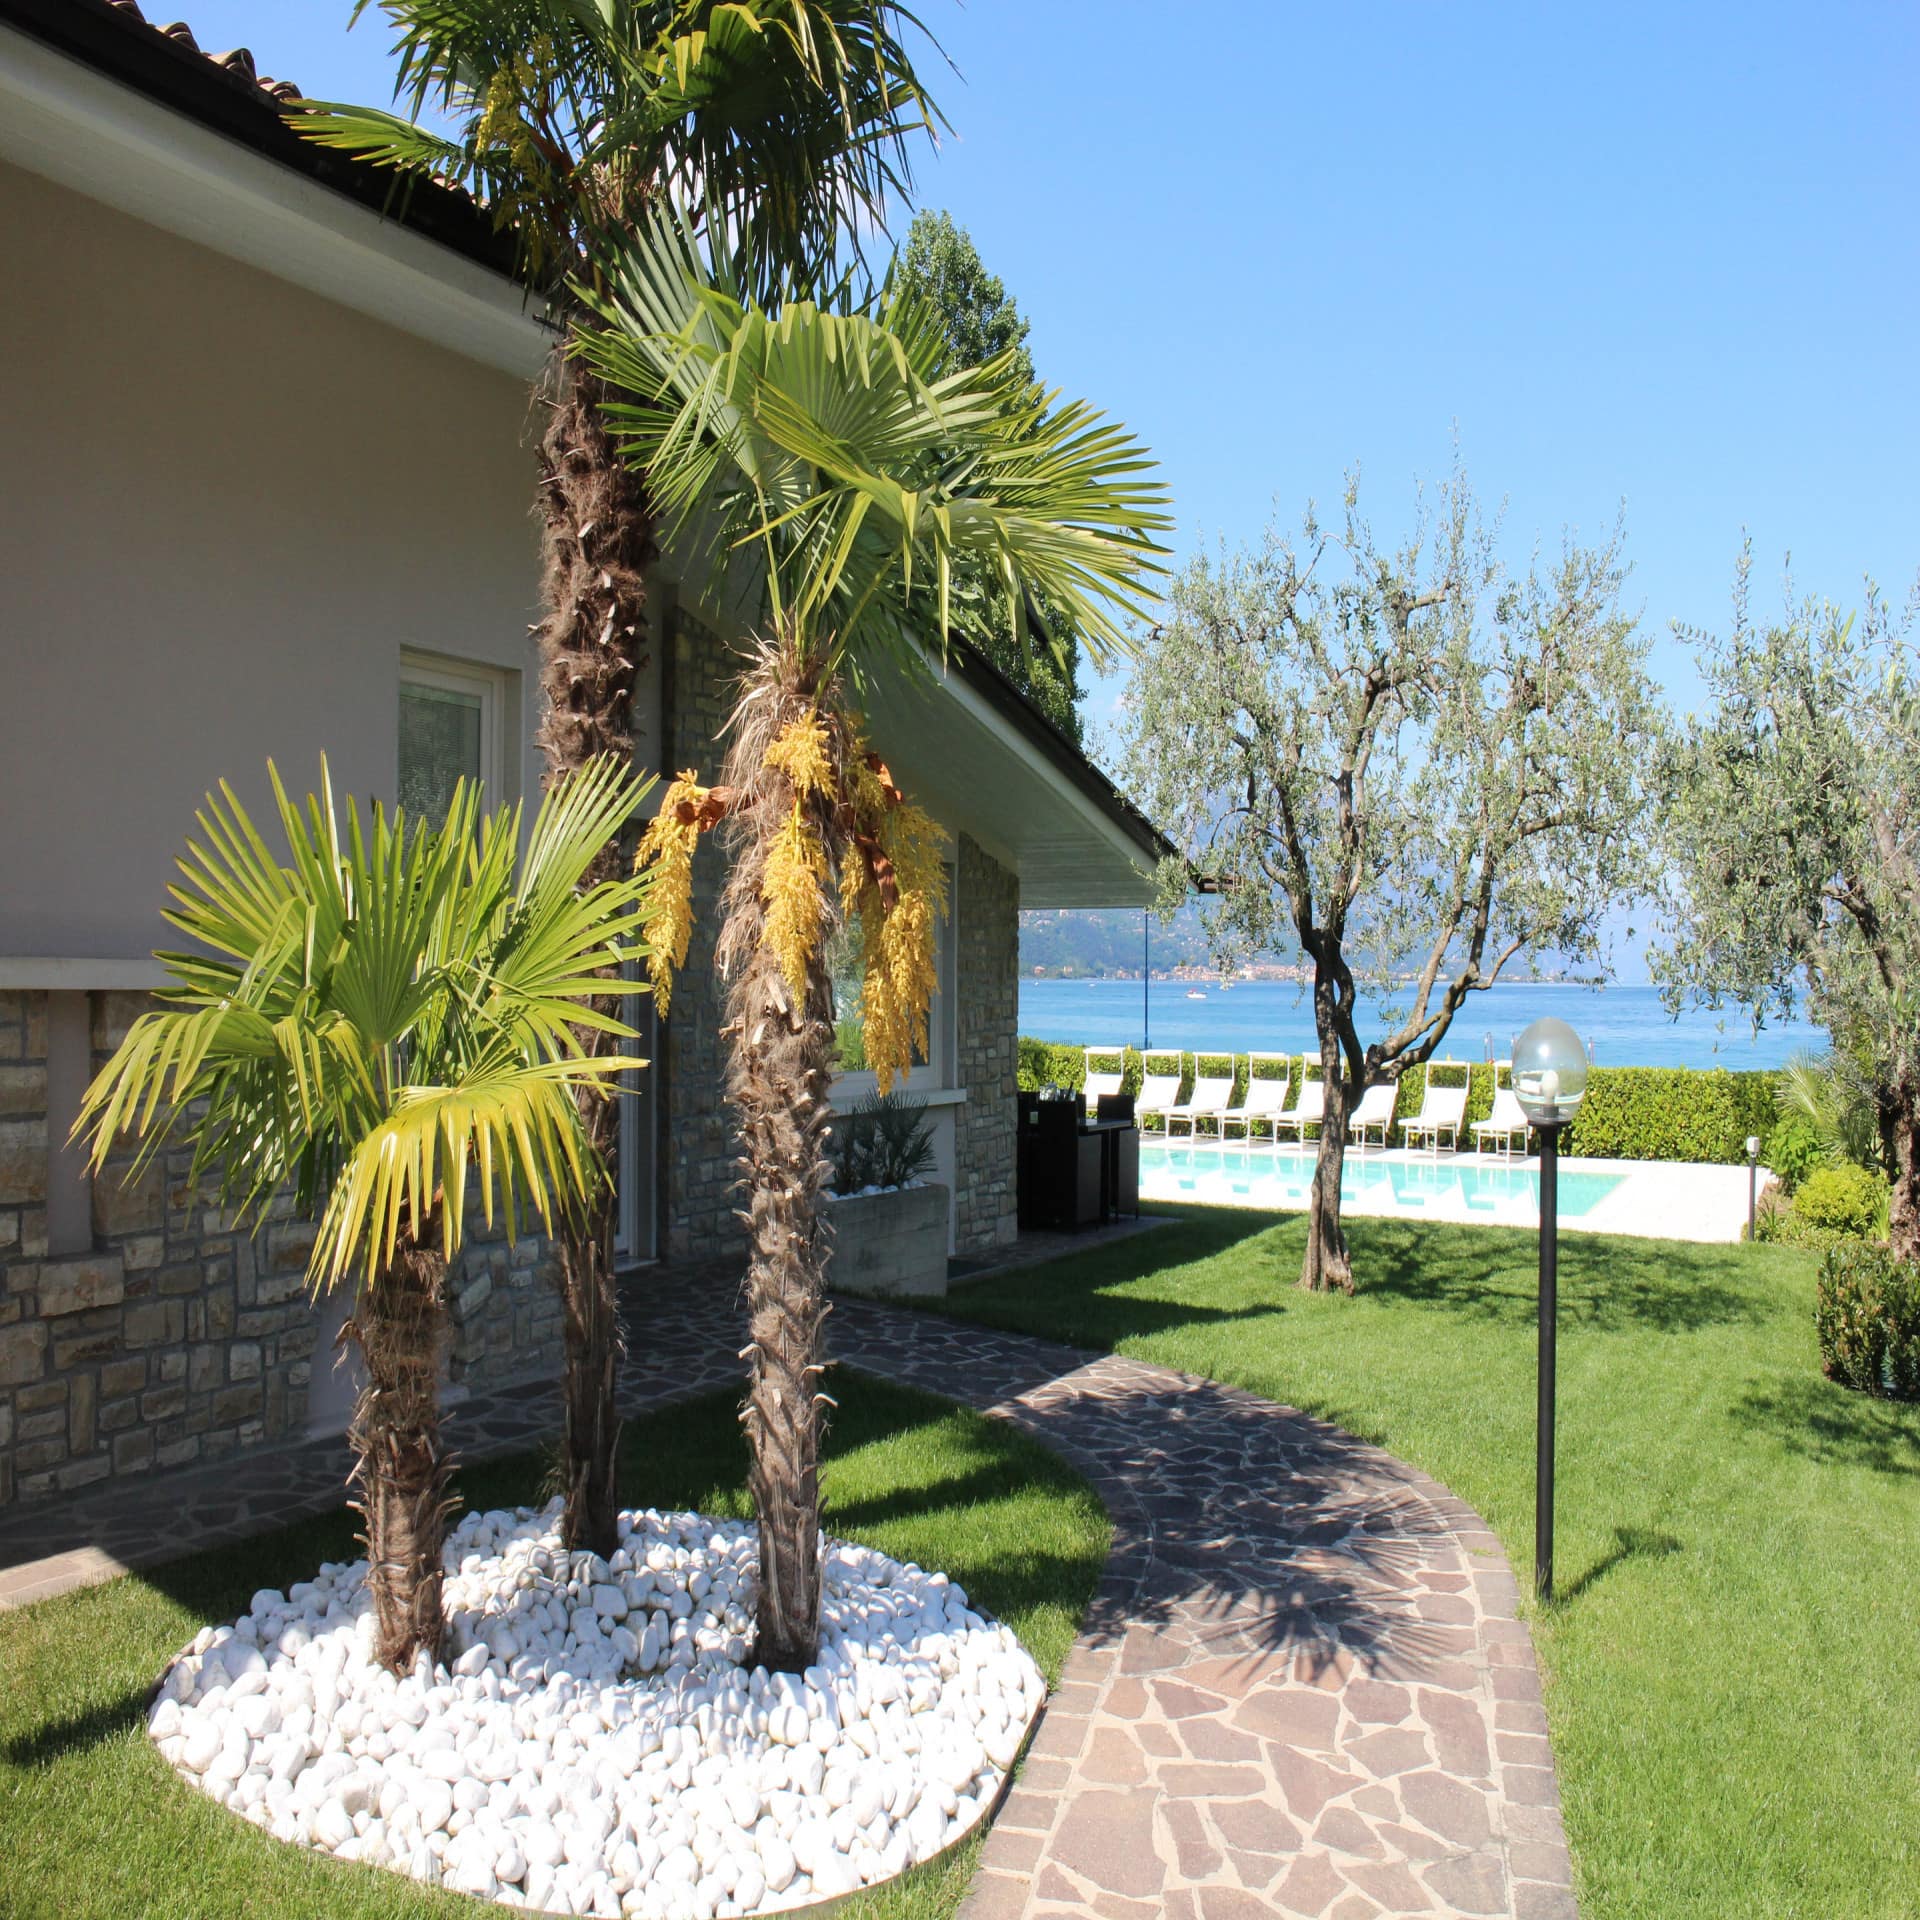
[62, 120]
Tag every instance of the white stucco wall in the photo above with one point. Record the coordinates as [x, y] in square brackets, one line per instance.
[226, 506]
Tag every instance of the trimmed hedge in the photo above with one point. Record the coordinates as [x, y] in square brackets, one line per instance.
[1672, 1113]
[1866, 1317]
[1630, 1113]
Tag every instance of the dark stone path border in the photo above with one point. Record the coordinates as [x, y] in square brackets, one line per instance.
[1302, 1688]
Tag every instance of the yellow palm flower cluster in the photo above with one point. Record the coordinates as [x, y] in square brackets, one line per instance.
[897, 941]
[667, 847]
[841, 809]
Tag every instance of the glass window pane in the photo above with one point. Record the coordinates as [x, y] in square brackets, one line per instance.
[439, 745]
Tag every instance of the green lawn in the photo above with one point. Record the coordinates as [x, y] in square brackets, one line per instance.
[93, 1823]
[1731, 1673]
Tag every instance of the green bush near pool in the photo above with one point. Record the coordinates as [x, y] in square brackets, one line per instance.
[1704, 1115]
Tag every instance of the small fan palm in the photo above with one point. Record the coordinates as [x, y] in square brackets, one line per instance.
[380, 1027]
[834, 453]
[791, 122]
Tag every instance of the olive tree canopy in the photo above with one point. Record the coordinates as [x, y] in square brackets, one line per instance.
[1413, 766]
[1792, 836]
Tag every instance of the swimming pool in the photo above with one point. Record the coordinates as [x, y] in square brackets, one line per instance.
[1447, 1187]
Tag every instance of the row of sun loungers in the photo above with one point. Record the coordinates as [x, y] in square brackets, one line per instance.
[1442, 1112]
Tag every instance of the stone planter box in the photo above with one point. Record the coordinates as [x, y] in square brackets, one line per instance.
[890, 1243]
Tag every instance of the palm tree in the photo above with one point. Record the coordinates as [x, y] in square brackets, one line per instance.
[839, 461]
[790, 121]
[377, 1026]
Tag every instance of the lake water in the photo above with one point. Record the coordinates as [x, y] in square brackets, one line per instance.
[1626, 1026]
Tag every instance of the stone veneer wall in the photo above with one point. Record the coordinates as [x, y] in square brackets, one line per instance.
[175, 1339]
[700, 1175]
[986, 1029]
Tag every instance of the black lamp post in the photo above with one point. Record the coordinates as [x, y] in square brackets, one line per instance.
[1753, 1182]
[1549, 1082]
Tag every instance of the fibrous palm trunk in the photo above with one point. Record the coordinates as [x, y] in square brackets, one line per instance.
[402, 1465]
[1326, 1265]
[597, 541]
[779, 1076]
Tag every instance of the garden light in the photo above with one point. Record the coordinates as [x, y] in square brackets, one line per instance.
[1753, 1181]
[1549, 1081]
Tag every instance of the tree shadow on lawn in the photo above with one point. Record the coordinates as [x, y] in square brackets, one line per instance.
[1606, 1283]
[1832, 1425]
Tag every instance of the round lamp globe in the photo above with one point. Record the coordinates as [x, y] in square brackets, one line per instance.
[1549, 1072]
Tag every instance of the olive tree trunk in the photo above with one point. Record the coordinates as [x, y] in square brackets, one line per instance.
[1899, 1115]
[402, 1466]
[1326, 1266]
[596, 544]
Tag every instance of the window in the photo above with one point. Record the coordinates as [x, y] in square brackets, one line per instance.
[453, 726]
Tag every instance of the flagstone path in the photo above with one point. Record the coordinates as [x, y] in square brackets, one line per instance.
[1301, 1688]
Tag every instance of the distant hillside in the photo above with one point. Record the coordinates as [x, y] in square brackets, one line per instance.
[1104, 943]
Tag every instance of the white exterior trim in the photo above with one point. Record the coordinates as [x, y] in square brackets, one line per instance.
[60, 119]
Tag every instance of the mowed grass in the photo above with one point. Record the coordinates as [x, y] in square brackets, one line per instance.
[1730, 1670]
[93, 1823]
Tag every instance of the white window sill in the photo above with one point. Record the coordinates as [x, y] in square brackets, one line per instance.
[849, 1088]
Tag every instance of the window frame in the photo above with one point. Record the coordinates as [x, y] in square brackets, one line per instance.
[494, 686]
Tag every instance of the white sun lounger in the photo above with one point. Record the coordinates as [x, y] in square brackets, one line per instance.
[1098, 1084]
[1212, 1095]
[1264, 1098]
[1159, 1088]
[1374, 1113]
[1443, 1110]
[1309, 1113]
[1506, 1123]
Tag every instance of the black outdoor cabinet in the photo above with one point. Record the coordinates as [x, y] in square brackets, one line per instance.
[1075, 1173]
[1059, 1165]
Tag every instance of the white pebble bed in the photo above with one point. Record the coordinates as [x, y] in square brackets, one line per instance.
[597, 1744]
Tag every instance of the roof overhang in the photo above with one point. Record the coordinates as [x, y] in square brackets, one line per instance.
[968, 748]
[241, 192]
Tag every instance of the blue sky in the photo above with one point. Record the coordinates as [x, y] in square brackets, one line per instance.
[1656, 256]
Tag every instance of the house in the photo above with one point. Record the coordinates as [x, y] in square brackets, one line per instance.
[264, 433]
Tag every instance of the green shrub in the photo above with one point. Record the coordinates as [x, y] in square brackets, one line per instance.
[1846, 1200]
[1672, 1113]
[1866, 1318]
[1630, 1113]
[1792, 1149]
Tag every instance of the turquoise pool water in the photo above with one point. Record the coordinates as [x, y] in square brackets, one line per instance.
[1459, 1187]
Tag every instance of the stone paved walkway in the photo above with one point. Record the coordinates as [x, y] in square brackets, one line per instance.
[1301, 1689]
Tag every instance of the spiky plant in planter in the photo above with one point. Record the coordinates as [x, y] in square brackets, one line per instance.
[837, 455]
[374, 1028]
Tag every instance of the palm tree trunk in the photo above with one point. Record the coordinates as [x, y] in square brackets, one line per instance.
[596, 543]
[1326, 1266]
[402, 1466]
[779, 1077]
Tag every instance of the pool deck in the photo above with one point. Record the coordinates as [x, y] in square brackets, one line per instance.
[1655, 1199]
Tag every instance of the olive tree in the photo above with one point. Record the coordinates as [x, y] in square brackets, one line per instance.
[1415, 767]
[1792, 837]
